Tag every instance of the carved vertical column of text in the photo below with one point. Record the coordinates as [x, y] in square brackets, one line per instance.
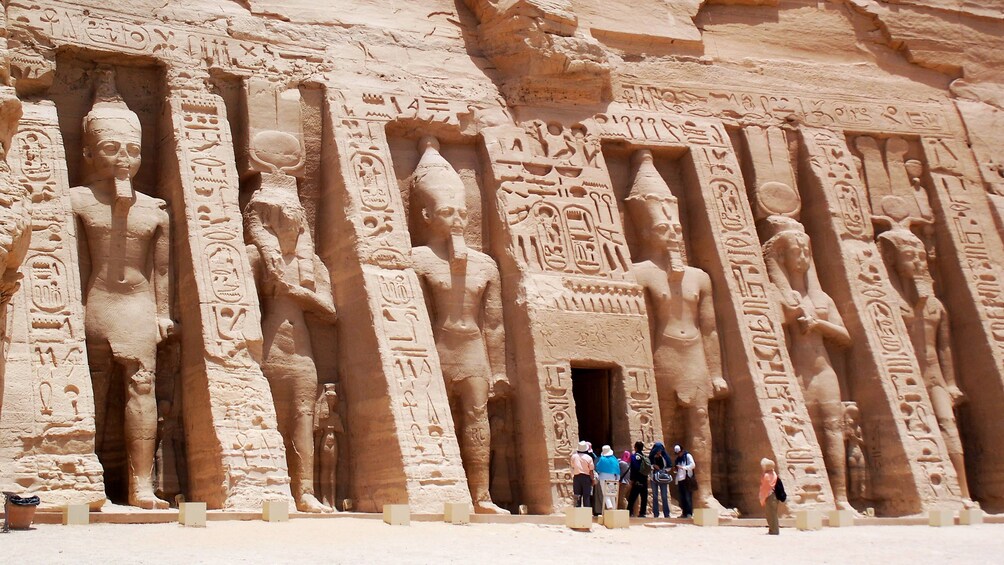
[56, 452]
[236, 455]
[971, 254]
[396, 396]
[888, 386]
[760, 371]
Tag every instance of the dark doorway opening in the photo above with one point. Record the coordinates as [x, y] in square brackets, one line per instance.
[591, 391]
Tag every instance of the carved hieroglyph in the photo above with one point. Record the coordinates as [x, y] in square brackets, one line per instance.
[47, 430]
[235, 452]
[900, 406]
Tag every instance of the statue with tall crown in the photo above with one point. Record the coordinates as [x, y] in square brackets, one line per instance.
[464, 299]
[291, 281]
[685, 347]
[124, 254]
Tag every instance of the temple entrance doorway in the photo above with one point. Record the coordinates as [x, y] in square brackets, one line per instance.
[591, 391]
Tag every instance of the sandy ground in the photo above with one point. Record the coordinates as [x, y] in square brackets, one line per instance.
[352, 540]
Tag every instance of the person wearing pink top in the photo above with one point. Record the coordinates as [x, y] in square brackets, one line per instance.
[768, 480]
[582, 476]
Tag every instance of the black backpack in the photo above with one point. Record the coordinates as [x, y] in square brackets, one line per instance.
[779, 493]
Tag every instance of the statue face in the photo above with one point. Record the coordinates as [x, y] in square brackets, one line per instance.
[446, 215]
[911, 260]
[667, 233]
[797, 255]
[286, 229]
[114, 150]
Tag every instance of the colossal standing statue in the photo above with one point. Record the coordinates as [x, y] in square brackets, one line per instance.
[810, 318]
[686, 351]
[124, 239]
[291, 280]
[462, 290]
[927, 322]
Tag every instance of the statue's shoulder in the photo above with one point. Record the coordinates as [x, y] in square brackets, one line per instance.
[148, 202]
[81, 195]
[421, 257]
[482, 259]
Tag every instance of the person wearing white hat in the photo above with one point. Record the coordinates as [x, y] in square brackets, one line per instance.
[582, 476]
[684, 480]
[608, 470]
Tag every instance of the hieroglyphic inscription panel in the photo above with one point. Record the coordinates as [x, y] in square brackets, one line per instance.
[65, 24]
[882, 344]
[57, 459]
[242, 450]
[751, 106]
[416, 385]
[555, 200]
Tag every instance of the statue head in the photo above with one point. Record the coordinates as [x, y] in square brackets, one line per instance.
[439, 191]
[791, 249]
[112, 138]
[277, 209]
[654, 209]
[904, 252]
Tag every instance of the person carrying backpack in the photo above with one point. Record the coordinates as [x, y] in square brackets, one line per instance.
[770, 487]
[661, 478]
[641, 468]
[684, 481]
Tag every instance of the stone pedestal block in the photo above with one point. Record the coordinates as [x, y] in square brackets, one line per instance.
[616, 519]
[971, 517]
[275, 511]
[809, 520]
[939, 517]
[579, 518]
[76, 515]
[192, 514]
[457, 513]
[707, 517]
[397, 514]
[841, 518]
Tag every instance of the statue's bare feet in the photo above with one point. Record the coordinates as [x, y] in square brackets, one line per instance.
[712, 503]
[843, 504]
[145, 499]
[969, 503]
[487, 507]
[309, 503]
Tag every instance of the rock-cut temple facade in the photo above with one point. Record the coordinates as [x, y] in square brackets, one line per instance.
[369, 252]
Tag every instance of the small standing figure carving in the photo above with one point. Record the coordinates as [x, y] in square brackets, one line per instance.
[464, 300]
[857, 466]
[327, 427]
[291, 280]
[686, 350]
[927, 322]
[811, 318]
[124, 241]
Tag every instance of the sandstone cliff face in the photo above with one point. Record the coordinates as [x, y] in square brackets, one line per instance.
[829, 174]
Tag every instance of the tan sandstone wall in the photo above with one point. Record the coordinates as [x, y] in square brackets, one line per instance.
[480, 223]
